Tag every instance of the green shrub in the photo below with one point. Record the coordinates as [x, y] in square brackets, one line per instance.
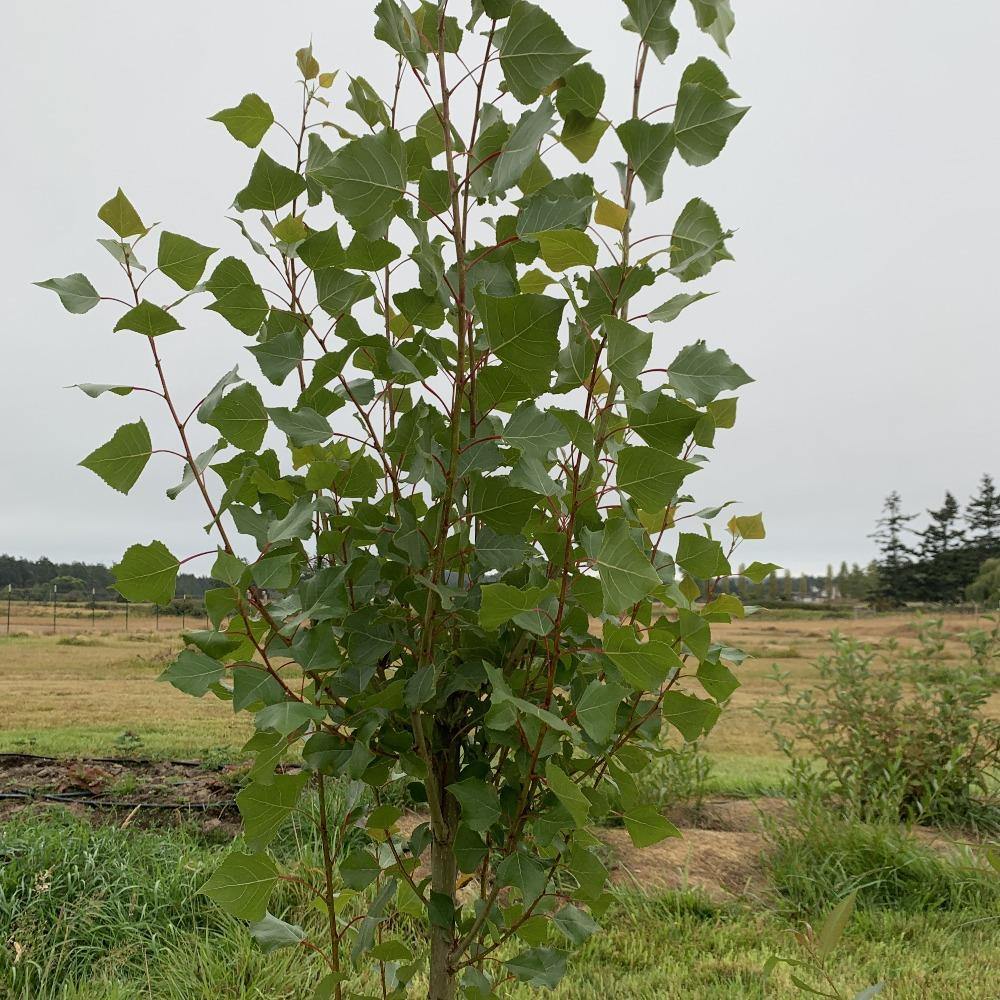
[985, 589]
[863, 740]
[678, 777]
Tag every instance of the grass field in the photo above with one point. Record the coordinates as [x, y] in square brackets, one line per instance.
[89, 911]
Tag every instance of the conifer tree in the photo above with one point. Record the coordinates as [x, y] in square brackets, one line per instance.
[896, 555]
[982, 515]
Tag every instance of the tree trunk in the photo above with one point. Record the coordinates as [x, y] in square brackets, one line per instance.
[444, 873]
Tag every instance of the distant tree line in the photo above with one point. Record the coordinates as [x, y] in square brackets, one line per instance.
[34, 579]
[954, 557]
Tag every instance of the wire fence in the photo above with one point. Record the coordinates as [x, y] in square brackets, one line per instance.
[25, 614]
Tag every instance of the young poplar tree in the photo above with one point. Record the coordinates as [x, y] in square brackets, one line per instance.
[482, 581]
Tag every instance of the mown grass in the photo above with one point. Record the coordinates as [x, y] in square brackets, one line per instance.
[99, 913]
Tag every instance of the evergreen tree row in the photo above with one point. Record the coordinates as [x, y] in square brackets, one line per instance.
[34, 579]
[939, 562]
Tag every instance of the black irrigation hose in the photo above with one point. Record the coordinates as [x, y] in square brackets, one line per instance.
[94, 802]
[132, 761]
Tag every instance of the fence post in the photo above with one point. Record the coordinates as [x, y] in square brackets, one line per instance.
[126, 614]
[9, 588]
[93, 609]
[55, 592]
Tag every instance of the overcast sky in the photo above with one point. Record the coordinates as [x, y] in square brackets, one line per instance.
[863, 298]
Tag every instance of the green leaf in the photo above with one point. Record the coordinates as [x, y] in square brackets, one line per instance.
[597, 709]
[253, 687]
[146, 573]
[582, 92]
[708, 74]
[700, 375]
[148, 319]
[240, 417]
[562, 249]
[833, 927]
[470, 849]
[645, 665]
[610, 214]
[249, 121]
[650, 19]
[649, 147]
[504, 508]
[123, 253]
[575, 924]
[758, 572]
[182, 260]
[121, 460]
[441, 910]
[582, 136]
[265, 807]
[521, 872]
[702, 123]
[501, 603]
[628, 348]
[370, 255]
[646, 826]
[717, 680]
[271, 186]
[272, 934]
[701, 557]
[94, 389]
[522, 331]
[193, 672]
[242, 885]
[568, 793]
[534, 52]
[288, 716]
[119, 214]
[307, 63]
[395, 26]
[211, 400]
[365, 178]
[323, 249]
[667, 426]
[479, 802]
[715, 18]
[365, 102]
[338, 291]
[749, 526]
[698, 242]
[535, 432]
[279, 356]
[239, 299]
[673, 307]
[302, 425]
[426, 18]
[521, 148]
[627, 575]
[651, 478]
[691, 716]
[75, 292]
[538, 966]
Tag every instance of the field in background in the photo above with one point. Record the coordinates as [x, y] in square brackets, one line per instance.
[695, 918]
[103, 683]
[32, 618]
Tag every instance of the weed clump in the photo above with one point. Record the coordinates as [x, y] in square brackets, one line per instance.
[889, 734]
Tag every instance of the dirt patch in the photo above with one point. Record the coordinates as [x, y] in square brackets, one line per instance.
[720, 863]
[151, 792]
[729, 815]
